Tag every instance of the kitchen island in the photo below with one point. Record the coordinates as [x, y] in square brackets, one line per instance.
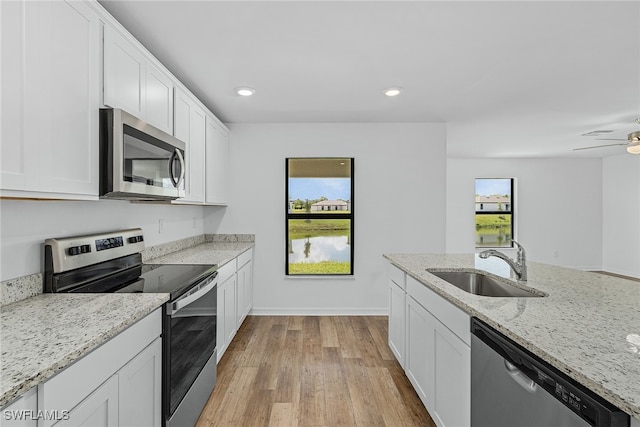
[587, 326]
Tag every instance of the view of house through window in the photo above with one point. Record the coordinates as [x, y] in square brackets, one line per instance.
[319, 194]
[494, 212]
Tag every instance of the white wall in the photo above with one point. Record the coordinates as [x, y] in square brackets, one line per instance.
[558, 207]
[621, 214]
[24, 224]
[399, 206]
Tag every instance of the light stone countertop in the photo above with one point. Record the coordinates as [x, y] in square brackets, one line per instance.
[588, 326]
[42, 335]
[204, 253]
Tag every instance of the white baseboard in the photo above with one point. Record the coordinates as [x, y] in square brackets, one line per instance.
[319, 311]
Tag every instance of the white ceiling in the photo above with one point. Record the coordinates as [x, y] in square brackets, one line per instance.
[510, 78]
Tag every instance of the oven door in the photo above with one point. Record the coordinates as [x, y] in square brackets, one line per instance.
[190, 353]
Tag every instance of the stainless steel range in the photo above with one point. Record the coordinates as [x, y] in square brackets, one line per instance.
[112, 262]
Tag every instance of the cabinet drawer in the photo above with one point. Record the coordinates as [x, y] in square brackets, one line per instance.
[227, 270]
[448, 314]
[397, 275]
[245, 257]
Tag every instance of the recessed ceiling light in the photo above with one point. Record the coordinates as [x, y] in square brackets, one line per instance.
[393, 91]
[245, 91]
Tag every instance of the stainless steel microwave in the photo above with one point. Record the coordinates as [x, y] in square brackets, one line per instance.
[137, 160]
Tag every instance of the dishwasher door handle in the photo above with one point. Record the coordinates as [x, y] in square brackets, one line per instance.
[523, 381]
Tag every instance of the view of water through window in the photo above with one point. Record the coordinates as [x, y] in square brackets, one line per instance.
[319, 216]
[494, 212]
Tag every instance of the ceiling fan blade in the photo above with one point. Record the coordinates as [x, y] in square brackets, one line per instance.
[608, 139]
[598, 146]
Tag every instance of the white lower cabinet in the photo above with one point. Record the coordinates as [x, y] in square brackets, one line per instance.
[117, 384]
[140, 388]
[397, 321]
[235, 298]
[451, 393]
[245, 286]
[100, 409]
[436, 349]
[19, 413]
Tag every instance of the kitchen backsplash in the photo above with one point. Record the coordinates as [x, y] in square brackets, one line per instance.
[20, 288]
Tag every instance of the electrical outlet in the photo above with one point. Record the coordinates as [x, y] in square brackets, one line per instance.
[160, 226]
[556, 254]
[194, 222]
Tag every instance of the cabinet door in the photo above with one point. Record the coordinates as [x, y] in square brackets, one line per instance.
[189, 127]
[451, 396]
[397, 310]
[220, 342]
[140, 385]
[217, 158]
[230, 324]
[248, 278]
[245, 291]
[159, 99]
[17, 413]
[124, 74]
[195, 154]
[50, 107]
[419, 362]
[226, 327]
[100, 409]
[14, 153]
[67, 74]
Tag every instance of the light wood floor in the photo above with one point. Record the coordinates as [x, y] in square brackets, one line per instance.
[312, 371]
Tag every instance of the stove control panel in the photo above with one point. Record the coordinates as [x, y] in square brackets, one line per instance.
[73, 252]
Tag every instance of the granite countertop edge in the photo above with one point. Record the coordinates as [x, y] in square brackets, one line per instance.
[470, 304]
[17, 380]
[219, 253]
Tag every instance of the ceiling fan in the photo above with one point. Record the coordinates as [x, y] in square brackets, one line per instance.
[632, 142]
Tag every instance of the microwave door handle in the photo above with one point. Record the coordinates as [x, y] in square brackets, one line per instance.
[176, 180]
[188, 299]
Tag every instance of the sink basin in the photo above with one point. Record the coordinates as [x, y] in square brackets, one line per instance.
[479, 283]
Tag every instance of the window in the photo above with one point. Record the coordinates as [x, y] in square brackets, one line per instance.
[494, 212]
[319, 218]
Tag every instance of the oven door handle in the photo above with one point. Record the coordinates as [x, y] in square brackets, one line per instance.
[187, 299]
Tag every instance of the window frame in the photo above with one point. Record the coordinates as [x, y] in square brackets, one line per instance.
[320, 216]
[495, 212]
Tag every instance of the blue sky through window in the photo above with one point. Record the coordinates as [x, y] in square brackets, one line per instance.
[491, 186]
[314, 188]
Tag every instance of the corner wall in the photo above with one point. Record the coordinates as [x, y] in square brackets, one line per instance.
[399, 207]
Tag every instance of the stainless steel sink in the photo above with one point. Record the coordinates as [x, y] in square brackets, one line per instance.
[479, 283]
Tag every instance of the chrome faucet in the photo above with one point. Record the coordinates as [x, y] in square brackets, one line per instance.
[519, 266]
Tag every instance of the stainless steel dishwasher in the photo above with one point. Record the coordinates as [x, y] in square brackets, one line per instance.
[511, 387]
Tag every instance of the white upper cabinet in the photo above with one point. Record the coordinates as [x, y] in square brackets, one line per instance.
[159, 99]
[124, 74]
[50, 99]
[60, 62]
[134, 84]
[189, 123]
[217, 158]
